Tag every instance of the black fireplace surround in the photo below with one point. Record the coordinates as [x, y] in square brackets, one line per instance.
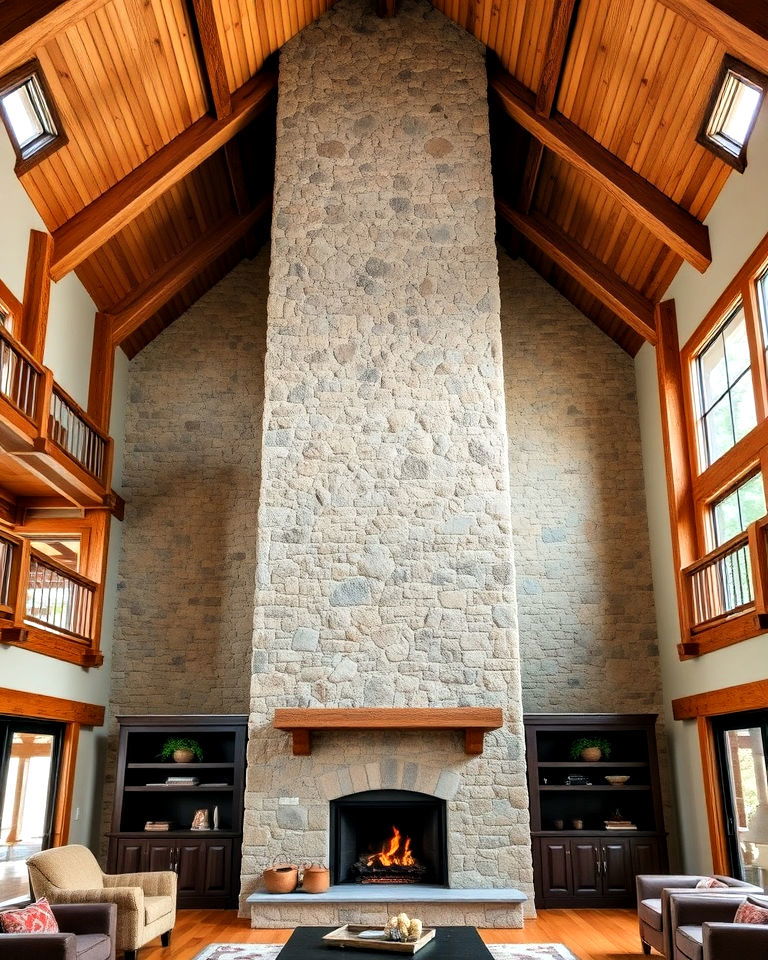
[362, 824]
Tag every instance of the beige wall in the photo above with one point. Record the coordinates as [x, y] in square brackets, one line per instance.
[737, 222]
[67, 353]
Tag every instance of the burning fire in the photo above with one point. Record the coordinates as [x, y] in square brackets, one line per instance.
[396, 852]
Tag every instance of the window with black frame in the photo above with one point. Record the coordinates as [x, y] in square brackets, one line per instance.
[742, 747]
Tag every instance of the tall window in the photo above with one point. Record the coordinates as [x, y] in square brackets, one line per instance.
[726, 399]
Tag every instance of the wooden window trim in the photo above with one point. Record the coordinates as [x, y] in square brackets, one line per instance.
[13, 305]
[15, 79]
[73, 714]
[756, 78]
[702, 707]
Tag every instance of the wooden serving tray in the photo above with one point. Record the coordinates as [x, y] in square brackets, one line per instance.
[347, 936]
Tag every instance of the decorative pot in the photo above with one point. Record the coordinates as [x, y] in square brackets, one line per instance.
[316, 878]
[183, 756]
[281, 878]
[591, 754]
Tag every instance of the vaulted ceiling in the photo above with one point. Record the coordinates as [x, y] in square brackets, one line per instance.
[596, 104]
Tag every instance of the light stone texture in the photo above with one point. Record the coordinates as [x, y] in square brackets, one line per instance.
[384, 518]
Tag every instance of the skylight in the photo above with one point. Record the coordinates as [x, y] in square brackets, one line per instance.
[28, 112]
[738, 95]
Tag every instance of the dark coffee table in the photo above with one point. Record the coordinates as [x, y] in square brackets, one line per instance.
[451, 943]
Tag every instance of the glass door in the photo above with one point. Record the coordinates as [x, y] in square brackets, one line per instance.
[30, 751]
[742, 745]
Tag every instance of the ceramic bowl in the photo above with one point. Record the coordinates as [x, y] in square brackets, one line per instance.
[616, 781]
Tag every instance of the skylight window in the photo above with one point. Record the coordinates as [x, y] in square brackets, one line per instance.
[732, 111]
[28, 114]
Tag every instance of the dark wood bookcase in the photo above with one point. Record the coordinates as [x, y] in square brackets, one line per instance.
[207, 862]
[593, 866]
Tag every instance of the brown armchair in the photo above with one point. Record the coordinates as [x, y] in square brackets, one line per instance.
[653, 893]
[87, 932]
[703, 929]
[146, 902]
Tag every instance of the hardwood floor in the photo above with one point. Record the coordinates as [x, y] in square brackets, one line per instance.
[590, 934]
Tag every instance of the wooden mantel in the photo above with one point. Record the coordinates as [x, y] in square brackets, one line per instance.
[474, 721]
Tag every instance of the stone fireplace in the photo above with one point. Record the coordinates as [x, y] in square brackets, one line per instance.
[385, 564]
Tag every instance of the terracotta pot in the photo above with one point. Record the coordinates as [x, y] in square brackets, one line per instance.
[281, 878]
[591, 753]
[183, 756]
[316, 879]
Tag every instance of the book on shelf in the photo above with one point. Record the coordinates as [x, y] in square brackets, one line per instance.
[619, 825]
[182, 781]
[157, 826]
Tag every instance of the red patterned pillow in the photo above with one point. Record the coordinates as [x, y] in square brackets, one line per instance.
[751, 912]
[709, 883]
[36, 918]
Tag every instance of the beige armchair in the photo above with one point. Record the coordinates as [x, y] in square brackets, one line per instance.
[146, 902]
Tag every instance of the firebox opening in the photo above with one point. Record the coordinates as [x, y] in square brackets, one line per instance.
[388, 836]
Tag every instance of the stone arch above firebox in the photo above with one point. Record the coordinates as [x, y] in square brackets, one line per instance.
[390, 774]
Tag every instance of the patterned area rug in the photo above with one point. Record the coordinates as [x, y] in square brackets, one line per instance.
[500, 951]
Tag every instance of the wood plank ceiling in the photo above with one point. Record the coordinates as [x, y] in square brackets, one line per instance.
[170, 140]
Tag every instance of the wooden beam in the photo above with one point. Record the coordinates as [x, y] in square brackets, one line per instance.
[530, 176]
[557, 45]
[18, 703]
[668, 221]
[586, 269]
[89, 229]
[386, 8]
[128, 315]
[713, 703]
[37, 293]
[102, 371]
[213, 58]
[741, 25]
[234, 158]
[25, 26]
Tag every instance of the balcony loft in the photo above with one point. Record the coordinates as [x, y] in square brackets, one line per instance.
[50, 448]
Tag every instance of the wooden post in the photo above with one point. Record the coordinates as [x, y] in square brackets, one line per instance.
[37, 293]
[102, 371]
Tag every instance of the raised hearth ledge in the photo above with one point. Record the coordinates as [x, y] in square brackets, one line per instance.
[373, 903]
[474, 721]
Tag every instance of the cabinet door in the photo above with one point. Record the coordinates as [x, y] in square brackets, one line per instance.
[585, 856]
[159, 854]
[645, 855]
[130, 856]
[555, 867]
[218, 867]
[188, 864]
[617, 871]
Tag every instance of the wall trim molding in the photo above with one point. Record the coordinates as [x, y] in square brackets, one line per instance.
[713, 703]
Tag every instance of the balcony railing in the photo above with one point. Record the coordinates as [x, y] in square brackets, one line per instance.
[721, 583]
[21, 378]
[74, 431]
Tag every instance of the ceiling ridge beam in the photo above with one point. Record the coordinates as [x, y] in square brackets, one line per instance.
[597, 278]
[23, 29]
[145, 300]
[664, 218]
[90, 229]
[742, 25]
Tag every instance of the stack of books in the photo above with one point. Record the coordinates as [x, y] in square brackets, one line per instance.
[619, 825]
[157, 825]
[182, 781]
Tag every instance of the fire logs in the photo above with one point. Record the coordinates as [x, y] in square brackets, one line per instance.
[394, 863]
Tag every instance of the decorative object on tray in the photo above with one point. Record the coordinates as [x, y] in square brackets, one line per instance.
[315, 878]
[200, 821]
[590, 749]
[403, 928]
[351, 935]
[181, 750]
[157, 826]
[617, 781]
[281, 877]
[577, 780]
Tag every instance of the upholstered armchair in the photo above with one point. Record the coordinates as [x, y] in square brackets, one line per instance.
[703, 929]
[87, 932]
[653, 893]
[146, 902]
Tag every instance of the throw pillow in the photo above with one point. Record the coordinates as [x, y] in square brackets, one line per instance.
[751, 912]
[36, 918]
[709, 883]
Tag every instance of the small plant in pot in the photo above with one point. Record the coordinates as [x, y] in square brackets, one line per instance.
[590, 749]
[181, 750]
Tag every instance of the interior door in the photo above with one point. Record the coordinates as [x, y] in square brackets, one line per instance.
[30, 753]
[742, 747]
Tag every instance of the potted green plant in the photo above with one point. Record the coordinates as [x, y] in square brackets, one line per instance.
[590, 749]
[181, 750]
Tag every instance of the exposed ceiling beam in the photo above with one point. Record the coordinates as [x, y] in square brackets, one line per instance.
[37, 293]
[742, 25]
[89, 229]
[213, 58]
[24, 26]
[145, 300]
[557, 46]
[586, 269]
[668, 221]
[386, 8]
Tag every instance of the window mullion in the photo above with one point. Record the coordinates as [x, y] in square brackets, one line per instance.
[756, 352]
